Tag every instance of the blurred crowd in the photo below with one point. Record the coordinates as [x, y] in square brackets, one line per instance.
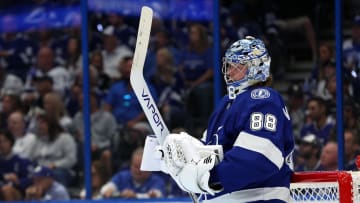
[41, 118]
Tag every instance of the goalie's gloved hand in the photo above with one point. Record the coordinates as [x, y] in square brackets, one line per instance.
[189, 161]
[194, 177]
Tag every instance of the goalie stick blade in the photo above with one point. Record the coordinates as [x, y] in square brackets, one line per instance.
[142, 40]
[137, 78]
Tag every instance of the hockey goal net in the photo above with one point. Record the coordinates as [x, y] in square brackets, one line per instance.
[326, 187]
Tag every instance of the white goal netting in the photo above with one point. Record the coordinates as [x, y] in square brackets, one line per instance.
[326, 187]
[315, 192]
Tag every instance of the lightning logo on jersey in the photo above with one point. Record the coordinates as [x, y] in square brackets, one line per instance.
[260, 93]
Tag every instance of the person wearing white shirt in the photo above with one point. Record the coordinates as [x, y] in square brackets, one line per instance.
[46, 67]
[24, 142]
[113, 53]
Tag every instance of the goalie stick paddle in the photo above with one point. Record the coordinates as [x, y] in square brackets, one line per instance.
[139, 85]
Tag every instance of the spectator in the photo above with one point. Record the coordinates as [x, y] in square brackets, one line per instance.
[16, 51]
[24, 145]
[45, 66]
[321, 123]
[329, 70]
[99, 177]
[161, 39]
[103, 80]
[196, 67]
[103, 128]
[44, 37]
[72, 102]
[55, 149]
[330, 89]
[93, 74]
[327, 89]
[296, 107]
[351, 56]
[54, 107]
[73, 58]
[170, 87]
[125, 142]
[351, 47]
[33, 98]
[308, 154]
[121, 99]
[351, 145]
[10, 83]
[351, 112]
[14, 170]
[134, 183]
[45, 187]
[328, 157]
[113, 53]
[125, 33]
[9, 104]
[326, 56]
[56, 39]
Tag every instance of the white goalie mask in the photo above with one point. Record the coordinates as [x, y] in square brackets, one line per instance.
[252, 53]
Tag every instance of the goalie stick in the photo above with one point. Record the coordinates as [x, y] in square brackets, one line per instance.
[138, 82]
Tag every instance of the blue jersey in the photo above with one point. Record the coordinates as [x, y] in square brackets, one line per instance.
[322, 133]
[123, 180]
[125, 105]
[256, 134]
[21, 55]
[20, 166]
[196, 64]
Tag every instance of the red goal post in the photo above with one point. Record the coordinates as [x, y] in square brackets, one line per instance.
[325, 187]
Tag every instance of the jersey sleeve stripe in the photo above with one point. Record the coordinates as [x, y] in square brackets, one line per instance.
[260, 145]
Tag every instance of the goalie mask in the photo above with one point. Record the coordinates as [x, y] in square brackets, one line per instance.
[250, 53]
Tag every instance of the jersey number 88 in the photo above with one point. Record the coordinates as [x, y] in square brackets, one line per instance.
[259, 121]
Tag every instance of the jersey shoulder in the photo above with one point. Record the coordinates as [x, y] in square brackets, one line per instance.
[262, 99]
[262, 96]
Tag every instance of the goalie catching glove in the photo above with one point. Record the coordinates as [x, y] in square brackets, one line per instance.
[188, 161]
